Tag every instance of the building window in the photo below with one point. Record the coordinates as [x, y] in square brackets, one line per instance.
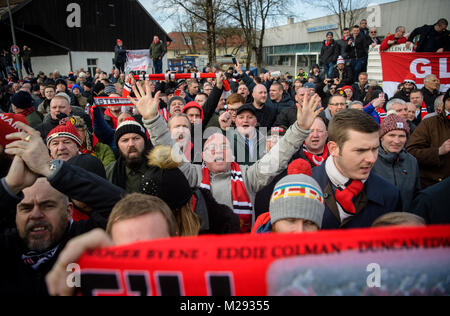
[92, 65]
[188, 41]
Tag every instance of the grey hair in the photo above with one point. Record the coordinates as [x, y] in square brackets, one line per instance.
[355, 102]
[428, 78]
[179, 115]
[439, 102]
[394, 101]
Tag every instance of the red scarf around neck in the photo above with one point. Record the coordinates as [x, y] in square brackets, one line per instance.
[242, 205]
[316, 160]
[423, 110]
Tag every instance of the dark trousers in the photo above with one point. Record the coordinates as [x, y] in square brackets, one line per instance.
[357, 65]
[120, 66]
[157, 66]
[27, 65]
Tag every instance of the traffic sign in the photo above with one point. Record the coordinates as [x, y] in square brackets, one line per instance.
[15, 50]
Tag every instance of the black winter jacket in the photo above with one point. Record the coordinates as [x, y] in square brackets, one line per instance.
[358, 49]
[76, 183]
[330, 53]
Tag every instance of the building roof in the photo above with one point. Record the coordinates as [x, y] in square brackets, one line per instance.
[43, 25]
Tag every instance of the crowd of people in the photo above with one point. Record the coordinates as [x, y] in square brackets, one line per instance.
[236, 153]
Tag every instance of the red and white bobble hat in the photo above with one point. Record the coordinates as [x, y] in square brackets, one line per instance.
[66, 130]
[410, 78]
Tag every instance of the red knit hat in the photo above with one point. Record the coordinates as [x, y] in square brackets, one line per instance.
[300, 166]
[64, 130]
[393, 122]
[8, 126]
[346, 87]
[193, 104]
[410, 78]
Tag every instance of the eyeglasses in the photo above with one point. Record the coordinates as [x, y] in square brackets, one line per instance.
[373, 32]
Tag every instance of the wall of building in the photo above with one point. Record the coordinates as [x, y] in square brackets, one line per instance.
[281, 43]
[49, 64]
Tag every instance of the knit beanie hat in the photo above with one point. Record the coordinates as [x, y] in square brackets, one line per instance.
[77, 86]
[340, 60]
[410, 78]
[89, 163]
[164, 179]
[393, 122]
[129, 125]
[300, 166]
[191, 105]
[8, 126]
[60, 81]
[110, 89]
[297, 196]
[22, 100]
[64, 130]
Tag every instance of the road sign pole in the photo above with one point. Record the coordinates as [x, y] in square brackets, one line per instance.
[16, 57]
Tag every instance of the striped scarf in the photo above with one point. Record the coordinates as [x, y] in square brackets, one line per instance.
[423, 111]
[316, 160]
[242, 205]
[382, 114]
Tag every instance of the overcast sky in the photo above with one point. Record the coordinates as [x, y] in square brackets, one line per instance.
[301, 12]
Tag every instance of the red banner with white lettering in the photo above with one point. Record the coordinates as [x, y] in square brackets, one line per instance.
[396, 66]
[383, 261]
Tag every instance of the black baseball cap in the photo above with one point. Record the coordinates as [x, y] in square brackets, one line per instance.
[246, 107]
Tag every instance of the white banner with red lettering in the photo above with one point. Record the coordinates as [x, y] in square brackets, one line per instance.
[396, 66]
[138, 60]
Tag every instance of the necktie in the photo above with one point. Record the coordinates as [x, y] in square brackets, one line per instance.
[345, 197]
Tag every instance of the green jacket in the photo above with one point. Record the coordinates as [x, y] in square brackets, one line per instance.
[33, 119]
[157, 50]
[133, 177]
[104, 153]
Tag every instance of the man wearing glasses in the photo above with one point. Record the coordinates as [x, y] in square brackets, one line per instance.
[336, 104]
[373, 39]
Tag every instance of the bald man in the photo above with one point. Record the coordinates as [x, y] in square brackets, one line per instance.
[266, 115]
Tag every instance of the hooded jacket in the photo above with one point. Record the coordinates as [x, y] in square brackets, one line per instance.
[286, 102]
[402, 171]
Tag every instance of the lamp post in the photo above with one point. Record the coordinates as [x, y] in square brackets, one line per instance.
[19, 69]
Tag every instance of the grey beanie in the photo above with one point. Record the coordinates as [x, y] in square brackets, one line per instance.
[297, 196]
[175, 98]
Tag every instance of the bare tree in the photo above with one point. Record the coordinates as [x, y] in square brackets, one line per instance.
[253, 16]
[206, 13]
[347, 11]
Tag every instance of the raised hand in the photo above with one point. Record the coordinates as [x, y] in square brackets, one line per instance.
[57, 278]
[29, 146]
[147, 105]
[307, 113]
[19, 176]
[225, 120]
[220, 78]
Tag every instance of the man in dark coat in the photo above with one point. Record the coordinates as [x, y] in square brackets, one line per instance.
[329, 54]
[357, 52]
[43, 224]
[354, 196]
[432, 38]
[120, 56]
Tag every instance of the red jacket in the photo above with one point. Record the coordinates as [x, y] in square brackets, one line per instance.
[384, 45]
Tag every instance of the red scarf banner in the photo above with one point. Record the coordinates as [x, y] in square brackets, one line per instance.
[383, 261]
[396, 67]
